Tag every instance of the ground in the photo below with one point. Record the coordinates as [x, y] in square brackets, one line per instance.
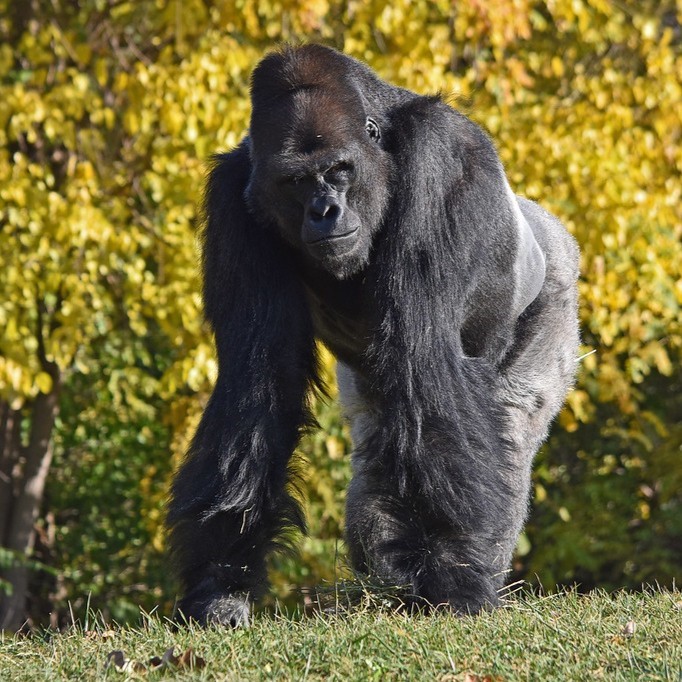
[625, 636]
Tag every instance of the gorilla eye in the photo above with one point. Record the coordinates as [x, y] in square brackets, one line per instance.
[292, 180]
[343, 170]
[372, 130]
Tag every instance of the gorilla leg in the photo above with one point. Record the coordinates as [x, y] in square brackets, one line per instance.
[446, 535]
[401, 540]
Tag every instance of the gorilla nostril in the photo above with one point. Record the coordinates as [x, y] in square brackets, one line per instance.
[324, 212]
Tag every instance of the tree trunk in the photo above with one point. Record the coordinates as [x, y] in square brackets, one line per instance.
[27, 468]
[20, 14]
[10, 453]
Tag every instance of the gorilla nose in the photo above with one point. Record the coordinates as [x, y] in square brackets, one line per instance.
[323, 211]
[323, 220]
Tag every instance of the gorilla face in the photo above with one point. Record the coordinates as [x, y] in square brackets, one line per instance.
[320, 175]
[326, 223]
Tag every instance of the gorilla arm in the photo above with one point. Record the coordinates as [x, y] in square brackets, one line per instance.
[229, 499]
[431, 505]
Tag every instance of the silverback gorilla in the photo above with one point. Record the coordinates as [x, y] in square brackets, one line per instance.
[381, 222]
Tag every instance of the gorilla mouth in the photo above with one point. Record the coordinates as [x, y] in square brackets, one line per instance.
[332, 238]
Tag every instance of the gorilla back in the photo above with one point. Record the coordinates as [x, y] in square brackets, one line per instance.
[381, 222]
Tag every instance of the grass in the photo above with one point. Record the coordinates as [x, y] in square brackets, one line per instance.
[597, 636]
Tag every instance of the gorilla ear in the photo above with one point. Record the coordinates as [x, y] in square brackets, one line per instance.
[529, 266]
[372, 129]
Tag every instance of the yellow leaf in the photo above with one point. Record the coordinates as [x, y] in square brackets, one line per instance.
[43, 382]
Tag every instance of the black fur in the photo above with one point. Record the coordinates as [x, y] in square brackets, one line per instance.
[381, 222]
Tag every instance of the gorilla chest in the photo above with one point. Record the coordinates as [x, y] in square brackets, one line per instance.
[340, 319]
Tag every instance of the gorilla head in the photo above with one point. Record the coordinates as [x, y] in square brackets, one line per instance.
[319, 171]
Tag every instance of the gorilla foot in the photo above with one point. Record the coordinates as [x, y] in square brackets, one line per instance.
[229, 610]
[464, 600]
[457, 606]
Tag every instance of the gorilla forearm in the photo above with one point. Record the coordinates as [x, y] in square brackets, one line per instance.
[431, 503]
[232, 487]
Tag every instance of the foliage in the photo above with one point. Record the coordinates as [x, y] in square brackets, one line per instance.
[610, 515]
[112, 451]
[566, 637]
[108, 112]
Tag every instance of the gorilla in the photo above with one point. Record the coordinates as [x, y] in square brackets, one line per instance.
[380, 222]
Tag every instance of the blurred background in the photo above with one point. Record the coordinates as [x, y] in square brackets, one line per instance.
[109, 111]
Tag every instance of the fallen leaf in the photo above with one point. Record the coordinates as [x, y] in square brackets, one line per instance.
[629, 629]
[116, 658]
[121, 664]
[169, 658]
[189, 659]
[155, 662]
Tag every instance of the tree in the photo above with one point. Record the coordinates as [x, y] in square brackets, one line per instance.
[83, 267]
